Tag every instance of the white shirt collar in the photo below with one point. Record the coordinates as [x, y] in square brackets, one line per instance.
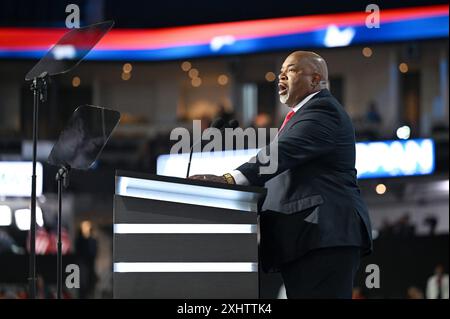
[304, 101]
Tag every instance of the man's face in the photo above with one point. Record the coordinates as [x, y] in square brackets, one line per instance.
[294, 81]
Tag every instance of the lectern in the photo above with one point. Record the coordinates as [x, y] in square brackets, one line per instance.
[184, 239]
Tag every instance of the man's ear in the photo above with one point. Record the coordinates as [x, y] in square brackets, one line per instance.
[315, 80]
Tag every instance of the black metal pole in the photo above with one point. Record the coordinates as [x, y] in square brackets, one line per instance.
[59, 254]
[32, 237]
[62, 177]
[39, 88]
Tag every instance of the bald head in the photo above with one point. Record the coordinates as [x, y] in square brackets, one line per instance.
[312, 62]
[302, 73]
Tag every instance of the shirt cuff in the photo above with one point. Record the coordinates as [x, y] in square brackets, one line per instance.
[239, 178]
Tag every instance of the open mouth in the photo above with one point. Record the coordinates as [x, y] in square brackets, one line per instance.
[282, 88]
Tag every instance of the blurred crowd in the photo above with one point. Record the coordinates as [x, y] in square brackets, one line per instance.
[403, 227]
[85, 255]
[436, 287]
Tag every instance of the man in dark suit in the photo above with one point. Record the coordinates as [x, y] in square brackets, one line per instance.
[314, 224]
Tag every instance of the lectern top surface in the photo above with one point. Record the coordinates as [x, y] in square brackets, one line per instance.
[177, 180]
[187, 191]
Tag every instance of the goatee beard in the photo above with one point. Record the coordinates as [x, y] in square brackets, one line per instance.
[284, 98]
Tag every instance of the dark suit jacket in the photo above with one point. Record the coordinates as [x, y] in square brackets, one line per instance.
[313, 199]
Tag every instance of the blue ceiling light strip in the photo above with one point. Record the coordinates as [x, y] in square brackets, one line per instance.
[420, 29]
[331, 36]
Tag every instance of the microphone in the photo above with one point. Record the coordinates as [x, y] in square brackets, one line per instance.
[218, 123]
[233, 124]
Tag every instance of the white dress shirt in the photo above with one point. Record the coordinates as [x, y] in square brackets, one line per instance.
[433, 289]
[240, 178]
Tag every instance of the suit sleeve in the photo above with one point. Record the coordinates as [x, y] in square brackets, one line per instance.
[311, 136]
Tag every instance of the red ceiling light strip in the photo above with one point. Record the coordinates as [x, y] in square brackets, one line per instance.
[136, 39]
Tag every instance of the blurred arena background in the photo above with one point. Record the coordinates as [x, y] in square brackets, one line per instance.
[165, 64]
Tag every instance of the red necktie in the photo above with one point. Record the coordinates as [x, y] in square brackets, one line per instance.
[286, 119]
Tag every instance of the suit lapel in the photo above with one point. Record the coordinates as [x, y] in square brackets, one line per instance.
[298, 115]
[291, 121]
